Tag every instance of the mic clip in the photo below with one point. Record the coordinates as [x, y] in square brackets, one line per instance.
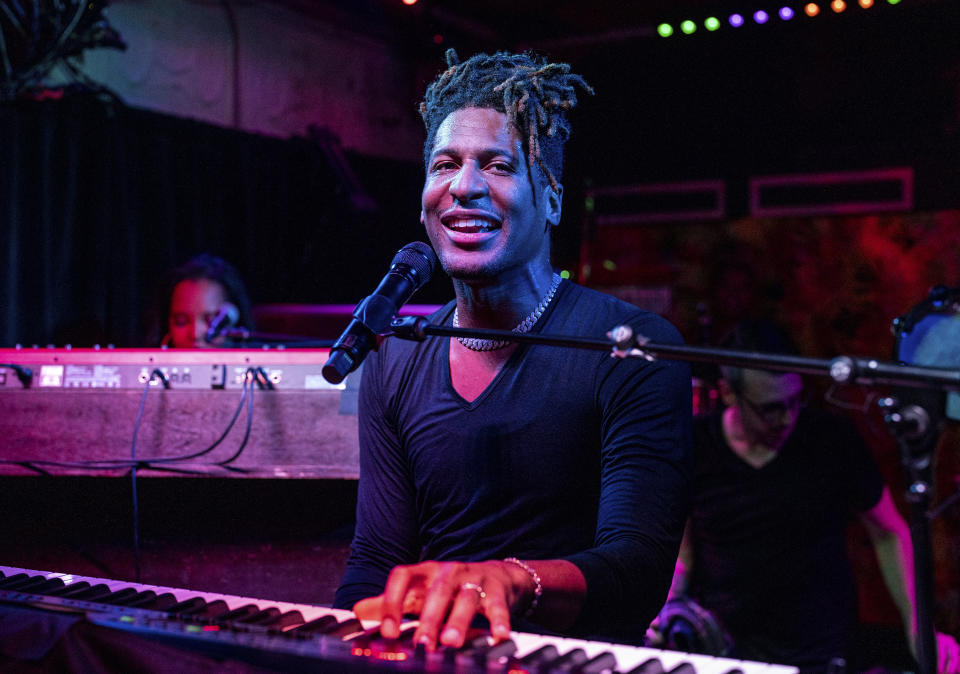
[375, 312]
[409, 327]
[627, 344]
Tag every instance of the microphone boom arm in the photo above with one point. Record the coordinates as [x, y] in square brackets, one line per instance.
[623, 344]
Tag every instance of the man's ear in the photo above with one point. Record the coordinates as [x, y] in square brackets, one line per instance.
[554, 204]
[423, 217]
[727, 395]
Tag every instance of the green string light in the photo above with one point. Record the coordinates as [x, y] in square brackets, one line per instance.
[688, 27]
[665, 30]
[712, 23]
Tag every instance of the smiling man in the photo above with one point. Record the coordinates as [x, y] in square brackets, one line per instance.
[516, 482]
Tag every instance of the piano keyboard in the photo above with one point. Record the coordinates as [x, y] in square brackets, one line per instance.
[300, 637]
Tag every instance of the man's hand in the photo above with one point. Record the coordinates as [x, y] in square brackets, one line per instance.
[446, 596]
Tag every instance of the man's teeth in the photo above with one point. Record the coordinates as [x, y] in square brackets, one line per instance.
[471, 225]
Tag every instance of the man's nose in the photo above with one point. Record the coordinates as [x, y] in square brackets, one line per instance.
[199, 332]
[786, 416]
[469, 183]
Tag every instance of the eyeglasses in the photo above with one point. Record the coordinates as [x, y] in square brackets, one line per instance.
[773, 411]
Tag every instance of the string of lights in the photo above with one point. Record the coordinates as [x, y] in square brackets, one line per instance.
[761, 17]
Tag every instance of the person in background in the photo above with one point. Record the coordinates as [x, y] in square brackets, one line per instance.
[197, 292]
[530, 485]
[775, 483]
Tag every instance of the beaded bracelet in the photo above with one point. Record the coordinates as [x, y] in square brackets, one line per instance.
[537, 590]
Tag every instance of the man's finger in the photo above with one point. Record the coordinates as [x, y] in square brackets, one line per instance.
[467, 603]
[370, 608]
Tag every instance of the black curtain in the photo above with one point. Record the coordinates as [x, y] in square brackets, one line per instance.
[98, 201]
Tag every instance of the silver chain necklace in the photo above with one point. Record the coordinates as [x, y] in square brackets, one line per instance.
[477, 344]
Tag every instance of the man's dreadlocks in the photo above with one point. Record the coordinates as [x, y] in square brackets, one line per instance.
[535, 96]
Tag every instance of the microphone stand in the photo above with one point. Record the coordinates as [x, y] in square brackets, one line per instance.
[911, 425]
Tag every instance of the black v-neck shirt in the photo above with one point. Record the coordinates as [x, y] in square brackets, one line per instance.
[567, 453]
[770, 554]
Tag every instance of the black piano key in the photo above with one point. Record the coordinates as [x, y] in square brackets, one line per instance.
[651, 666]
[599, 663]
[44, 586]
[187, 606]
[117, 597]
[141, 598]
[72, 587]
[684, 668]
[259, 616]
[159, 602]
[15, 579]
[285, 620]
[474, 650]
[136, 599]
[316, 626]
[420, 652]
[269, 620]
[92, 593]
[25, 584]
[238, 613]
[568, 661]
[543, 655]
[493, 653]
[206, 610]
[347, 627]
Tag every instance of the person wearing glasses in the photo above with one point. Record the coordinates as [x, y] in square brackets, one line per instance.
[765, 549]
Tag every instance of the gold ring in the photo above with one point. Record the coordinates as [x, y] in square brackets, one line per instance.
[474, 586]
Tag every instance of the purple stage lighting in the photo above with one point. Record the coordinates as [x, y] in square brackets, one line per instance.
[786, 13]
[736, 20]
[760, 16]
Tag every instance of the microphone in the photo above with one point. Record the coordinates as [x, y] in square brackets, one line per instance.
[225, 319]
[411, 268]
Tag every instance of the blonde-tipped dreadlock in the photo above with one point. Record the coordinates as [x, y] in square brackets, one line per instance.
[535, 96]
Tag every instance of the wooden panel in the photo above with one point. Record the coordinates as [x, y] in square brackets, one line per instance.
[294, 433]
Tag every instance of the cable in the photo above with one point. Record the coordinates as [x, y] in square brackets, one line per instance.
[43, 65]
[150, 462]
[155, 374]
[24, 374]
[249, 376]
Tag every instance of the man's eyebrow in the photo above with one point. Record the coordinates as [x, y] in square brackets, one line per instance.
[486, 152]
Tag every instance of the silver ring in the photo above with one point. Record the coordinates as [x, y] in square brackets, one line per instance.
[474, 586]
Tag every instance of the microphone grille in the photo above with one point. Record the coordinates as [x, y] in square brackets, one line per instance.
[420, 257]
[232, 312]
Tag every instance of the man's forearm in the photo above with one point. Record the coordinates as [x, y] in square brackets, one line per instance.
[895, 557]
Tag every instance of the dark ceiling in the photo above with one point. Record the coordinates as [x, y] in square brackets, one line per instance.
[862, 88]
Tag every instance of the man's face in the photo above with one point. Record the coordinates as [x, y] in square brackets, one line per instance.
[769, 404]
[193, 305]
[478, 203]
